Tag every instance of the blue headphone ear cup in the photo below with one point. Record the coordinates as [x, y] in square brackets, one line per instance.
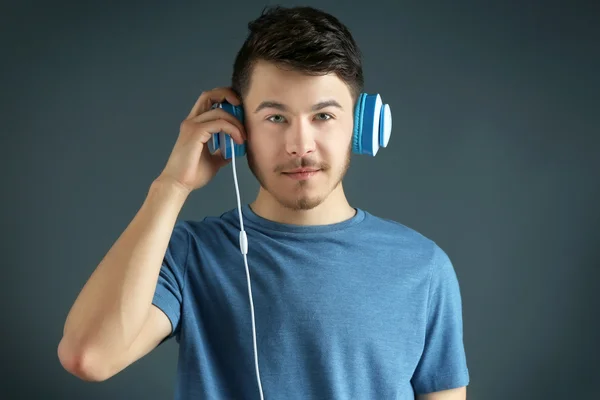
[372, 124]
[358, 124]
[221, 141]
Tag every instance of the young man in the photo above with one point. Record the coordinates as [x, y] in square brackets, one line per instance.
[347, 305]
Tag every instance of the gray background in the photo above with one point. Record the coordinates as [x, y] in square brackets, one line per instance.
[494, 155]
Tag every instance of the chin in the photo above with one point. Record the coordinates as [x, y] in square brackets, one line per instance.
[303, 203]
[301, 195]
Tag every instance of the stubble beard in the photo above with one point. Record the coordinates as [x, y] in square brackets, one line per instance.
[302, 202]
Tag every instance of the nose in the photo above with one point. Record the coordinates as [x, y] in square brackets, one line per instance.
[300, 139]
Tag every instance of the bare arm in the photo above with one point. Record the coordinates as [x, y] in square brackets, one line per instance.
[451, 394]
[112, 322]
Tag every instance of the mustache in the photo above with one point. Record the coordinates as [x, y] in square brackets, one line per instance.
[301, 163]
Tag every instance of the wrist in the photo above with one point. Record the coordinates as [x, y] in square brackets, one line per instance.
[169, 190]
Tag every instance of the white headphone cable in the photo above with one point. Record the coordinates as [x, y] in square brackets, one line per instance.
[244, 250]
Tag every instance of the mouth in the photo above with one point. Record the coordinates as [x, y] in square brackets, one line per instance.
[301, 173]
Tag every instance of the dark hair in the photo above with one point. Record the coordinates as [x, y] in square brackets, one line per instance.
[303, 39]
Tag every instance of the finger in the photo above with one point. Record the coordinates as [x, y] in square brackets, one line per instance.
[206, 129]
[208, 98]
[217, 160]
[219, 113]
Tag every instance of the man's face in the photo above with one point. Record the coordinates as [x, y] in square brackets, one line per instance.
[299, 134]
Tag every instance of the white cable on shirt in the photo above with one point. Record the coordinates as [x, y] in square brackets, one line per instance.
[244, 250]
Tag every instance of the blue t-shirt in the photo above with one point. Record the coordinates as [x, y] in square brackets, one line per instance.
[362, 309]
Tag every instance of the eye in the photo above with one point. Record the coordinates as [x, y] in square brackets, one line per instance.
[324, 116]
[276, 118]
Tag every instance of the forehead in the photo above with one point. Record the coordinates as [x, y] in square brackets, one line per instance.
[271, 82]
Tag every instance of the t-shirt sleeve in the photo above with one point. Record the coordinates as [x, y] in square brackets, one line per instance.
[168, 294]
[443, 362]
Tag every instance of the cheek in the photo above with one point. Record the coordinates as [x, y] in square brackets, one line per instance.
[264, 142]
[261, 150]
[336, 143]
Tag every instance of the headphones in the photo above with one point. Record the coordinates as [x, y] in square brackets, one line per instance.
[372, 127]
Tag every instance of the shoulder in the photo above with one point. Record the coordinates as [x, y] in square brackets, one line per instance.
[397, 235]
[391, 226]
[411, 246]
[212, 228]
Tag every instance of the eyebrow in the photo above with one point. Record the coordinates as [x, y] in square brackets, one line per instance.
[282, 107]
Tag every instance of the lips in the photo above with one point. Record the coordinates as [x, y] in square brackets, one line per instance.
[301, 170]
[301, 174]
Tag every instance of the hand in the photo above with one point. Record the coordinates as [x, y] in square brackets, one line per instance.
[190, 165]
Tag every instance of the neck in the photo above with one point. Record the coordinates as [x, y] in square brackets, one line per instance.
[335, 208]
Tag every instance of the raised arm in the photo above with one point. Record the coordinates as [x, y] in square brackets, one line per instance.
[113, 322]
